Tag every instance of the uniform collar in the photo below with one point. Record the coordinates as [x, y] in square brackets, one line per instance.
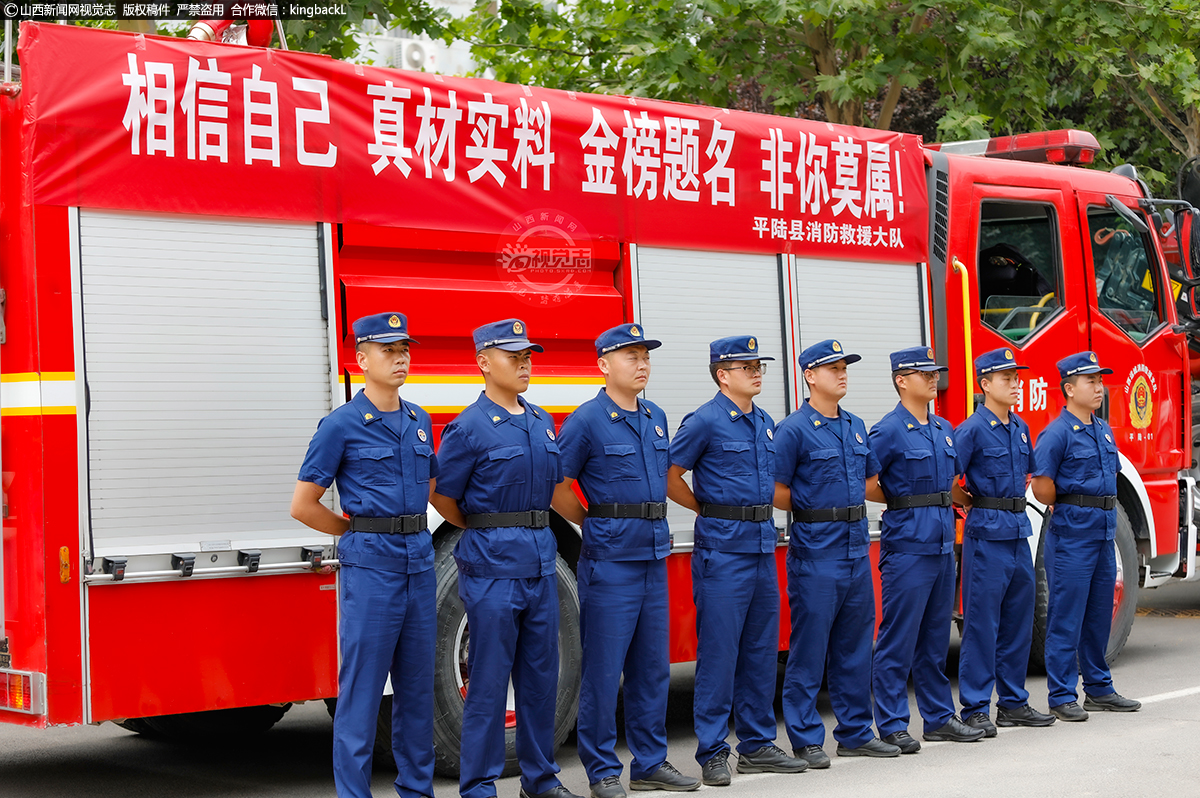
[910, 421]
[817, 420]
[497, 414]
[1075, 425]
[993, 420]
[369, 412]
[614, 412]
[732, 411]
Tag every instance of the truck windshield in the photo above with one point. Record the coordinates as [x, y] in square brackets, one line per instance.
[1128, 289]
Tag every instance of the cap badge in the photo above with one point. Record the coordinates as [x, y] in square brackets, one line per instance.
[1092, 356]
[394, 321]
[837, 347]
[858, 437]
[1008, 355]
[518, 328]
[369, 416]
[495, 418]
[750, 344]
[421, 434]
[1023, 438]
[929, 352]
[614, 414]
[770, 435]
[659, 430]
[634, 331]
[550, 434]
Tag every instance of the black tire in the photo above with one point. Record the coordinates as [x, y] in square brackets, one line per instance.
[219, 725]
[1125, 598]
[450, 663]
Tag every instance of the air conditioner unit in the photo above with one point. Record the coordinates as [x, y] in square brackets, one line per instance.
[412, 55]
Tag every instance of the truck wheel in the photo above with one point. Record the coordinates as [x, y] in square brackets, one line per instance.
[1125, 594]
[218, 724]
[450, 676]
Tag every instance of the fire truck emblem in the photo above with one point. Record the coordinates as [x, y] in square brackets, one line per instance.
[518, 328]
[634, 331]
[659, 430]
[751, 344]
[550, 434]
[421, 435]
[1008, 355]
[394, 321]
[837, 347]
[1141, 400]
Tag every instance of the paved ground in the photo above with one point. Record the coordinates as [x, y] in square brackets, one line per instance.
[1155, 749]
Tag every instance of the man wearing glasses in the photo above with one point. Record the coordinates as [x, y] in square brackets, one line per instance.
[728, 444]
[917, 468]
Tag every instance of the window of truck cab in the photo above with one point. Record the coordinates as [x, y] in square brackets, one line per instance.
[1019, 273]
[1129, 289]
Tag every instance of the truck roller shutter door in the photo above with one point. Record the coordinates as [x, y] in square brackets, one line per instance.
[207, 363]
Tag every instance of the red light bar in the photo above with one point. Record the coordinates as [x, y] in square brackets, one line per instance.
[1070, 147]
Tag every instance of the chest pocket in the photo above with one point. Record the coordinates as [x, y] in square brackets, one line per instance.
[735, 458]
[1110, 452]
[996, 462]
[423, 453]
[858, 466]
[553, 469]
[918, 464]
[621, 462]
[376, 465]
[506, 465]
[662, 453]
[826, 466]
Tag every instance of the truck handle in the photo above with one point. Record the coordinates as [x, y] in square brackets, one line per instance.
[961, 269]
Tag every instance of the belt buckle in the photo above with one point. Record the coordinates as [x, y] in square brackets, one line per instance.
[655, 511]
[539, 518]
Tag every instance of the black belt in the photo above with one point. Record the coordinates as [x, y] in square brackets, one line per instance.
[855, 513]
[653, 511]
[534, 519]
[920, 500]
[755, 512]
[400, 525]
[1013, 505]
[1084, 500]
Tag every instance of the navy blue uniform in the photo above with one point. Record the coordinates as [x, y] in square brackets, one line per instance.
[495, 462]
[620, 457]
[1079, 555]
[997, 568]
[382, 463]
[825, 462]
[734, 580]
[916, 568]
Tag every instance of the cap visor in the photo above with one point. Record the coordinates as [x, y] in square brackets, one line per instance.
[1005, 367]
[518, 346]
[389, 339]
[930, 368]
[649, 343]
[743, 356]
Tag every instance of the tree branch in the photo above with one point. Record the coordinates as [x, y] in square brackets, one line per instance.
[892, 98]
[1153, 117]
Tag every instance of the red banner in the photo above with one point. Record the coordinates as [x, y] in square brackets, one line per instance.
[152, 123]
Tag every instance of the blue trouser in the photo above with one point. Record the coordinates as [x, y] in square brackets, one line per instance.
[737, 623]
[1081, 574]
[623, 623]
[388, 624]
[998, 595]
[833, 618]
[513, 627]
[918, 599]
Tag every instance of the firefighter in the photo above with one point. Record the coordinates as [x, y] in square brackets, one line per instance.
[729, 445]
[499, 465]
[1076, 473]
[995, 453]
[616, 445]
[917, 468]
[823, 463]
[379, 450]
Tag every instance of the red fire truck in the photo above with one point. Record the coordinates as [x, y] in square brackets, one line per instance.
[188, 228]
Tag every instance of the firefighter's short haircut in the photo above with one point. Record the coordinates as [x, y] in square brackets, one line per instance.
[895, 379]
[712, 370]
[1072, 380]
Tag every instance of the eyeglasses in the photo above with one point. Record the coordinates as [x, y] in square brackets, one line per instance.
[753, 371]
[929, 375]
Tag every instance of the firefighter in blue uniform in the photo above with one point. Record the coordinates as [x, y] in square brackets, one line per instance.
[995, 454]
[917, 462]
[616, 445]
[1077, 465]
[823, 463]
[729, 445]
[499, 464]
[379, 450]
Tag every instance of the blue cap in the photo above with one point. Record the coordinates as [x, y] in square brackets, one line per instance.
[1080, 363]
[621, 336]
[508, 335]
[917, 358]
[1001, 359]
[735, 347]
[827, 351]
[382, 328]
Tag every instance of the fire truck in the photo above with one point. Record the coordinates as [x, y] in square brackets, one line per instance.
[187, 230]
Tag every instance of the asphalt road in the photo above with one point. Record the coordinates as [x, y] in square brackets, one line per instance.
[1155, 750]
